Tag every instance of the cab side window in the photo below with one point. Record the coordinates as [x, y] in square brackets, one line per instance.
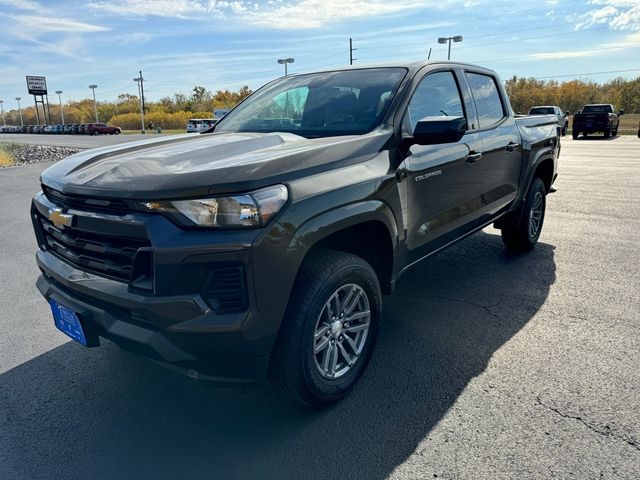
[487, 99]
[437, 95]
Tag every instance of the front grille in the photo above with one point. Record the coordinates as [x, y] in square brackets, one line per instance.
[106, 255]
[85, 203]
[226, 290]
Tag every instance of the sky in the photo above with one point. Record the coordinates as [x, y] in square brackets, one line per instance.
[229, 43]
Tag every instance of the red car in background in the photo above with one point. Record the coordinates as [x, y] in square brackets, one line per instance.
[102, 129]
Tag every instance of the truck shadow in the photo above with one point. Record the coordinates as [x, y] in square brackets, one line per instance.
[101, 413]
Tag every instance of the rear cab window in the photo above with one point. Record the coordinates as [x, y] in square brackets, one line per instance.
[486, 97]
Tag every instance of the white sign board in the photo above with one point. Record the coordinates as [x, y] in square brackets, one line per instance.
[37, 85]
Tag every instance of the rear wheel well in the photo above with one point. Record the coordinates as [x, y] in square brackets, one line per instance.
[369, 240]
[545, 172]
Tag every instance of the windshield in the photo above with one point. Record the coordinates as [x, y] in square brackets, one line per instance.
[324, 104]
[541, 111]
[597, 108]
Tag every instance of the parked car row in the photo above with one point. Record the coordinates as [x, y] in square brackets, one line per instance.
[68, 129]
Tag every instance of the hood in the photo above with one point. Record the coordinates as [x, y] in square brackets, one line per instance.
[188, 166]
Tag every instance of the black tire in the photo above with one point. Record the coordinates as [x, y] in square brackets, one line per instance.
[564, 131]
[575, 134]
[95, 132]
[117, 132]
[607, 134]
[615, 132]
[520, 235]
[294, 368]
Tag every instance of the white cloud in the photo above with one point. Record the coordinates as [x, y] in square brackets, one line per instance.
[618, 14]
[280, 14]
[630, 41]
[22, 5]
[34, 24]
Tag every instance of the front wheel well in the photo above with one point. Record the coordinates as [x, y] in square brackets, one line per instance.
[369, 240]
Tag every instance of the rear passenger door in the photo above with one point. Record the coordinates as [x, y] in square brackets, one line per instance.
[499, 167]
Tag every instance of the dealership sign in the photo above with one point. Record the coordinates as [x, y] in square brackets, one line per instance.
[37, 85]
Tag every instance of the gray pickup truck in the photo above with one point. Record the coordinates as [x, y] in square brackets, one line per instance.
[263, 248]
[562, 118]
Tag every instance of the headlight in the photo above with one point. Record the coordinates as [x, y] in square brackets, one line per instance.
[253, 209]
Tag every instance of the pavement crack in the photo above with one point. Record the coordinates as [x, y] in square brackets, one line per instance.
[605, 430]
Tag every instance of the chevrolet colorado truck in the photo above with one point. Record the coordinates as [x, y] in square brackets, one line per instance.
[262, 248]
[594, 118]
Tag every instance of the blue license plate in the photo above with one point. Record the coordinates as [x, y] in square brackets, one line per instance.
[68, 322]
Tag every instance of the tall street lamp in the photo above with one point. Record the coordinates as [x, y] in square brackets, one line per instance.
[59, 92]
[284, 61]
[20, 111]
[456, 38]
[138, 80]
[2, 113]
[95, 105]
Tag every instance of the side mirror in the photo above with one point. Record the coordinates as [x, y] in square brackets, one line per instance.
[621, 112]
[436, 130]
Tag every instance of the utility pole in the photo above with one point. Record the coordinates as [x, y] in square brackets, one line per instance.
[138, 80]
[20, 111]
[95, 105]
[144, 108]
[351, 50]
[59, 92]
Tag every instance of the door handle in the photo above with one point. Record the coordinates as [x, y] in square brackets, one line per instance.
[512, 147]
[473, 157]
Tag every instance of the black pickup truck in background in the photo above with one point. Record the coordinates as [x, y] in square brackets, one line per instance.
[597, 117]
[263, 248]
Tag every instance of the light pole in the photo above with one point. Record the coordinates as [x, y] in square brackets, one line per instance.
[2, 113]
[456, 38]
[20, 111]
[95, 105]
[284, 61]
[59, 92]
[138, 80]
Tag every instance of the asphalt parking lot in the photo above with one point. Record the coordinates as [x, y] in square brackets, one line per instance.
[488, 365]
[75, 141]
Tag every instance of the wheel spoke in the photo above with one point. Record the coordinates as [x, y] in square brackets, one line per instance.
[351, 343]
[357, 316]
[321, 332]
[334, 359]
[320, 346]
[346, 301]
[356, 298]
[345, 355]
[356, 328]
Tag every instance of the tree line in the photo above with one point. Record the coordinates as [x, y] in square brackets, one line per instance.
[171, 112]
[572, 95]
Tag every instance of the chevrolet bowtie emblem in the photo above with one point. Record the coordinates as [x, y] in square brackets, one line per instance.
[60, 219]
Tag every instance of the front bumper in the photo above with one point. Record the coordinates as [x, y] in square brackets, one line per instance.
[179, 331]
